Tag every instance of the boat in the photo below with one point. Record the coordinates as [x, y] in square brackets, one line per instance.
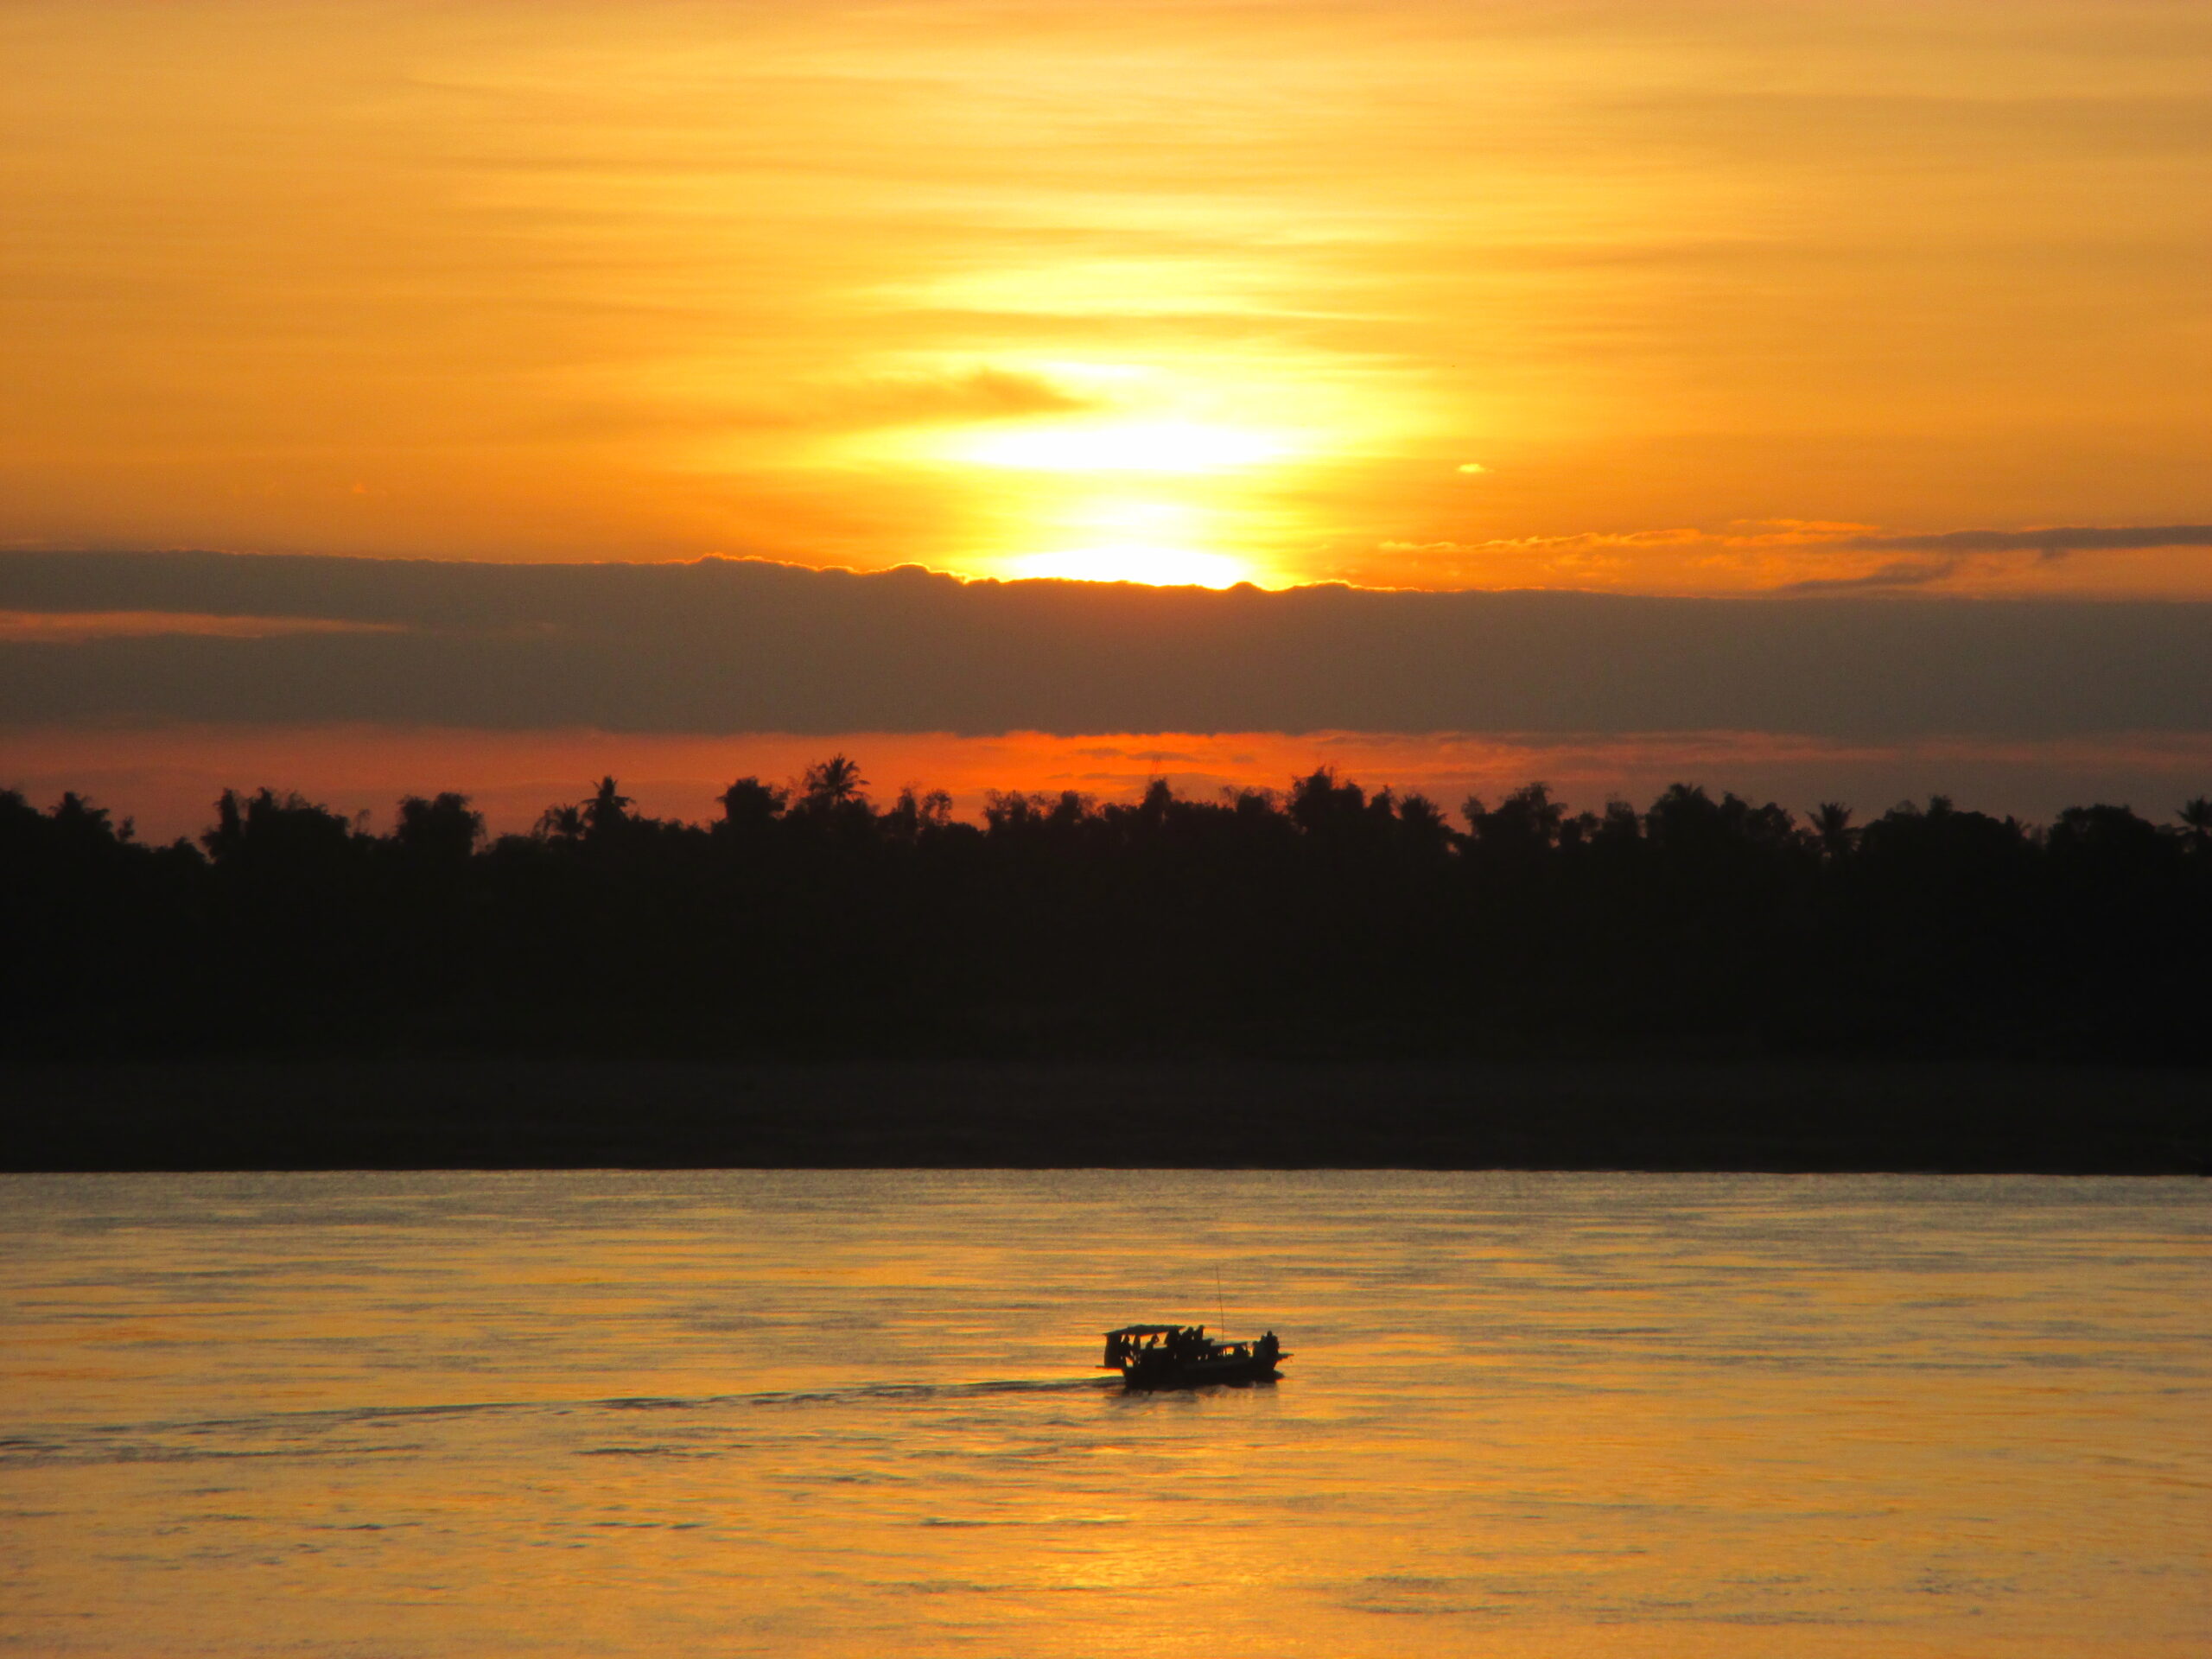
[1184, 1357]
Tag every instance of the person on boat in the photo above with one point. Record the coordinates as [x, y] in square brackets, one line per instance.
[1266, 1348]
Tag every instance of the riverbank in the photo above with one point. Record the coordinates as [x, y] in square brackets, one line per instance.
[482, 1113]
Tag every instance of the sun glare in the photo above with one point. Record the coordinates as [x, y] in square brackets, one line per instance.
[1154, 567]
[1179, 533]
[1119, 446]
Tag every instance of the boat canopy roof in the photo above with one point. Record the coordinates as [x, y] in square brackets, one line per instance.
[1150, 1330]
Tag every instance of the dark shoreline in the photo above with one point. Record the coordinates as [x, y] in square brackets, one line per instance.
[1777, 1116]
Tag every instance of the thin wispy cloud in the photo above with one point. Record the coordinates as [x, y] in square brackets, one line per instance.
[1791, 555]
[2053, 542]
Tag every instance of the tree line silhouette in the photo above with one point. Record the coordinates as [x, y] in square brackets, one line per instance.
[809, 920]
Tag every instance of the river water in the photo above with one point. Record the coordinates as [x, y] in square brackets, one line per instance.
[840, 1413]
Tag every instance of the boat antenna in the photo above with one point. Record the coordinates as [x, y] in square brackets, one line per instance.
[1220, 1306]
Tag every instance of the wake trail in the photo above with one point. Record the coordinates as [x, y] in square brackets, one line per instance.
[296, 1432]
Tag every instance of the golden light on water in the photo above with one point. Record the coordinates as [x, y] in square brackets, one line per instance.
[835, 1414]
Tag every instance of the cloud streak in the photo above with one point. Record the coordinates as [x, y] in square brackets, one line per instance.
[2053, 543]
[1794, 556]
[1897, 574]
[728, 646]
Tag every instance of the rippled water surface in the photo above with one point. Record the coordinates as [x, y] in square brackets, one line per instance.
[853, 1414]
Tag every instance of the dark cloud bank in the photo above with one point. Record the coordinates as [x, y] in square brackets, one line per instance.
[724, 647]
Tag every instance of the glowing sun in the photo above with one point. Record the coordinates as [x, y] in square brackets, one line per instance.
[1155, 567]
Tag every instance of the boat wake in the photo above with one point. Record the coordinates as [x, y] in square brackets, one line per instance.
[357, 1430]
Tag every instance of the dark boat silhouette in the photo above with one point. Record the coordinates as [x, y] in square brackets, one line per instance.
[1184, 1357]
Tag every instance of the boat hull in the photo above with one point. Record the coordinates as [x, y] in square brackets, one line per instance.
[1153, 1373]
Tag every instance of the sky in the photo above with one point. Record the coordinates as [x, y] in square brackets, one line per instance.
[1703, 299]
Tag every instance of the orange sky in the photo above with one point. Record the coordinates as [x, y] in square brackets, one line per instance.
[168, 778]
[1619, 294]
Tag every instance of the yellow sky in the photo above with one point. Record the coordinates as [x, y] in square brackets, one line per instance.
[1667, 295]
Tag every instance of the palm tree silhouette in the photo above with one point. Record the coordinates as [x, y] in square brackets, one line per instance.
[1832, 829]
[608, 812]
[2196, 817]
[832, 782]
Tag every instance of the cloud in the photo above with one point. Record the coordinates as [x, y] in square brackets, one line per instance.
[2052, 543]
[860, 404]
[1576, 541]
[1792, 556]
[1952, 550]
[1888, 578]
[730, 646]
[75, 626]
[983, 395]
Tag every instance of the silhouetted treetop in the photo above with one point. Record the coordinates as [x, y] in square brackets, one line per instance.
[2196, 816]
[832, 783]
[1831, 830]
[607, 815]
[748, 803]
[266, 829]
[443, 830]
[1326, 920]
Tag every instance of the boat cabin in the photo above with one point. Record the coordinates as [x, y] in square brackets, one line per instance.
[1134, 1342]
